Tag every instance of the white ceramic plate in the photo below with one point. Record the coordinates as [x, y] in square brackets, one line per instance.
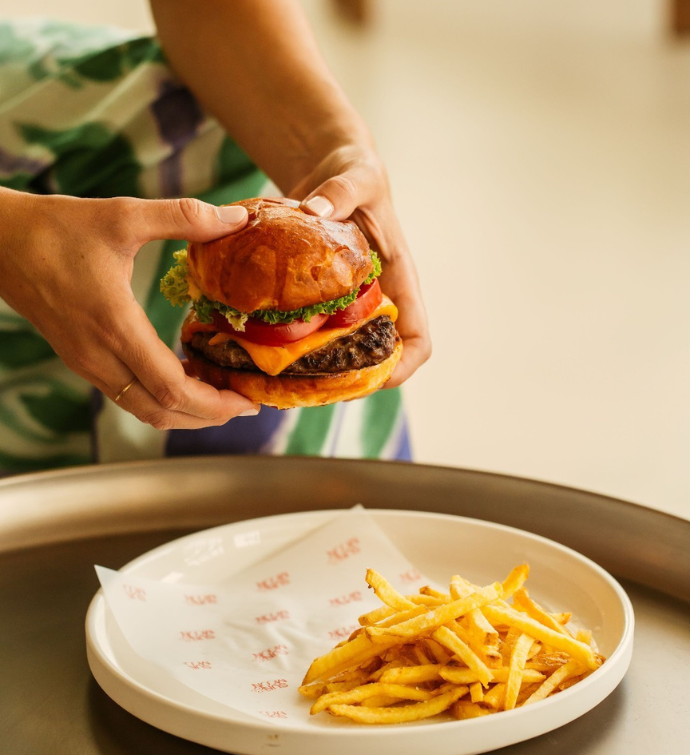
[437, 544]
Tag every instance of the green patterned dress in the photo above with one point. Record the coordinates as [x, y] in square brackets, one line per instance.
[95, 112]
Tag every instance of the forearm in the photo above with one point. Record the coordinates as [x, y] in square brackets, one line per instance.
[16, 227]
[255, 66]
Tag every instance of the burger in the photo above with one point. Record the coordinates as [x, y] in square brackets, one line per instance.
[288, 311]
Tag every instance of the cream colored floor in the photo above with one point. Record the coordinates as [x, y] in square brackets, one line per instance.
[540, 160]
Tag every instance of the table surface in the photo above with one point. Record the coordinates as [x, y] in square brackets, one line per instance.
[55, 526]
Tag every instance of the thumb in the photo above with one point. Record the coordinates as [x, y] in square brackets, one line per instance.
[188, 219]
[338, 197]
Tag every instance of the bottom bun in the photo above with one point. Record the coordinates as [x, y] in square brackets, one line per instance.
[290, 391]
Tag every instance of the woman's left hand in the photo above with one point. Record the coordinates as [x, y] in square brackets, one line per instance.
[352, 183]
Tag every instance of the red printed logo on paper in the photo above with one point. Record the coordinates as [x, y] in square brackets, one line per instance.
[197, 635]
[197, 665]
[270, 653]
[410, 576]
[273, 583]
[343, 600]
[274, 713]
[267, 618]
[342, 633]
[343, 551]
[135, 593]
[201, 600]
[269, 686]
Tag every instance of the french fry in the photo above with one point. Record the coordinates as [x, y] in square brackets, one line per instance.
[491, 656]
[495, 696]
[450, 639]
[518, 658]
[312, 691]
[508, 641]
[476, 692]
[398, 617]
[438, 652]
[386, 593]
[356, 695]
[383, 612]
[571, 680]
[375, 676]
[427, 672]
[431, 620]
[480, 628]
[344, 680]
[378, 614]
[458, 675]
[548, 662]
[465, 709]
[481, 637]
[341, 686]
[460, 587]
[515, 580]
[427, 600]
[420, 655]
[538, 631]
[571, 668]
[525, 692]
[379, 701]
[523, 602]
[468, 653]
[401, 714]
[345, 656]
[432, 592]
[460, 630]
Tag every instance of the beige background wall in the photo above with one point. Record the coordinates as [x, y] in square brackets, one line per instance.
[540, 160]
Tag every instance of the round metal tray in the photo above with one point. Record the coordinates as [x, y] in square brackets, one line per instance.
[55, 526]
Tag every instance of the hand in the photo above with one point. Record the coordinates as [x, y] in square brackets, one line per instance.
[66, 265]
[351, 182]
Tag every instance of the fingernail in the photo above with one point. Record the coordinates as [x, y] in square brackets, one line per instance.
[250, 412]
[320, 206]
[231, 213]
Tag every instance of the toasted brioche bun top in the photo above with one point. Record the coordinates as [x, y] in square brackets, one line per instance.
[283, 259]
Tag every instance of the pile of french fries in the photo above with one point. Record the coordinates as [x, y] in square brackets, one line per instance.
[468, 653]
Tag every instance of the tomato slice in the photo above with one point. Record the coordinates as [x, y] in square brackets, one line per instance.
[258, 331]
[267, 334]
[368, 298]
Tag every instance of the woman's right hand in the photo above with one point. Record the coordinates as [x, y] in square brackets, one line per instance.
[66, 265]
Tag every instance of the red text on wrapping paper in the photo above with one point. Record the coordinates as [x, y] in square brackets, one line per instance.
[267, 618]
[135, 593]
[410, 576]
[270, 653]
[273, 583]
[201, 600]
[343, 600]
[343, 551]
[269, 686]
[197, 635]
[198, 665]
[342, 633]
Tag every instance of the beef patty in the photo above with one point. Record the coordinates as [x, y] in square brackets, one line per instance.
[372, 344]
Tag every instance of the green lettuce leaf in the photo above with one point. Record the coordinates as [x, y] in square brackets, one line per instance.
[174, 284]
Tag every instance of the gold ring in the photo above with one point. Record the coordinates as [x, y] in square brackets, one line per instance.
[125, 389]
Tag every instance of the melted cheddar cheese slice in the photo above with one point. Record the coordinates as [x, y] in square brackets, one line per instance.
[274, 359]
